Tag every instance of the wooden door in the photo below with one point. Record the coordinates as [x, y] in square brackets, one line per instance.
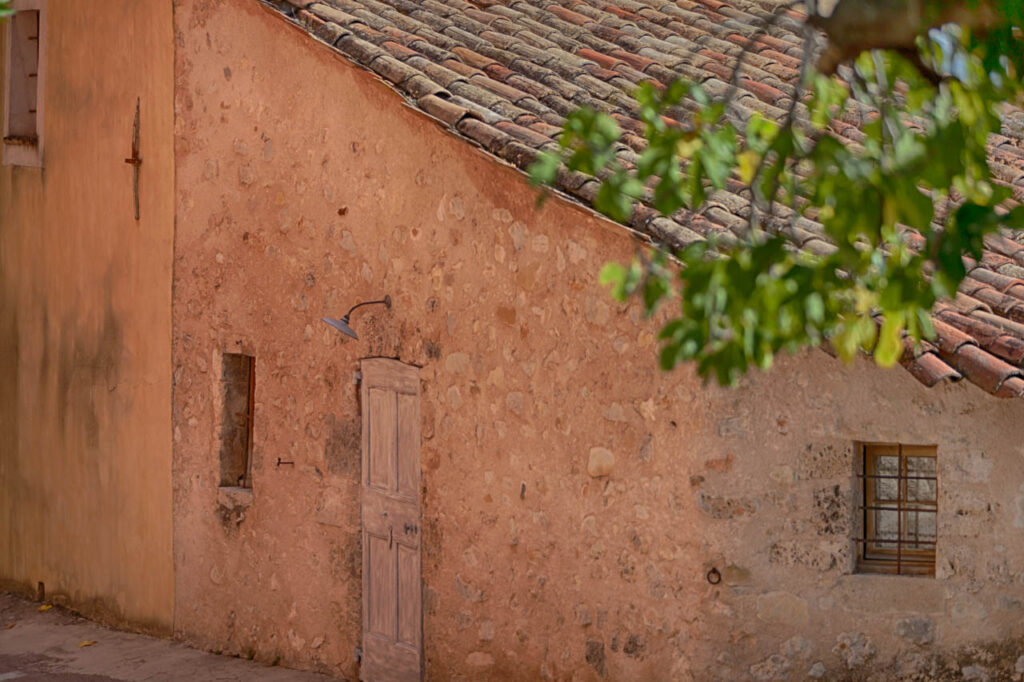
[392, 596]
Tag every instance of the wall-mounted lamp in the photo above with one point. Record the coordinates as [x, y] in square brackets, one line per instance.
[343, 326]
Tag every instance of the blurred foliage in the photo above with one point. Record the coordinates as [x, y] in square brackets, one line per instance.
[903, 207]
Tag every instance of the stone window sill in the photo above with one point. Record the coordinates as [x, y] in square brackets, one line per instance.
[233, 496]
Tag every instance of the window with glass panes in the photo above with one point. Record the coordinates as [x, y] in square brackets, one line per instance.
[900, 510]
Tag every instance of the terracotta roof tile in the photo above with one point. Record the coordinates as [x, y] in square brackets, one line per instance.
[489, 137]
[531, 138]
[981, 368]
[930, 370]
[504, 74]
[443, 109]
[471, 58]
[419, 86]
[1011, 388]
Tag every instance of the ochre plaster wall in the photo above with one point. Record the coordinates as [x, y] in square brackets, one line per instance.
[304, 186]
[85, 295]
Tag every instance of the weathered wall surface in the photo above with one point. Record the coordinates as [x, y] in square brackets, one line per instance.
[85, 294]
[304, 187]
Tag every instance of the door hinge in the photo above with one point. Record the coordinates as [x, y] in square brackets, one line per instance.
[357, 377]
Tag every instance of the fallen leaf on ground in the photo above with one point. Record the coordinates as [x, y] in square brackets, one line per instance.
[86, 642]
[46, 607]
[8, 626]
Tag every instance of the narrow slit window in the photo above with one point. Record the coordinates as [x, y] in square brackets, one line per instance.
[238, 387]
[900, 510]
[22, 133]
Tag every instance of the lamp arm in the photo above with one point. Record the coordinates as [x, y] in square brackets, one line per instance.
[386, 301]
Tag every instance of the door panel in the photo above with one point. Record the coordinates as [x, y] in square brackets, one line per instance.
[382, 595]
[409, 445]
[408, 595]
[383, 425]
[392, 582]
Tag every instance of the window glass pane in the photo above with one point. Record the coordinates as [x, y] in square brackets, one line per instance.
[886, 488]
[920, 490]
[918, 529]
[886, 527]
[920, 466]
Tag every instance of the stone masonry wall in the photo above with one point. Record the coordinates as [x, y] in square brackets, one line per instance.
[574, 497]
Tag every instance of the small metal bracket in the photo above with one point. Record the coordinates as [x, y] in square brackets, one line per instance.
[135, 160]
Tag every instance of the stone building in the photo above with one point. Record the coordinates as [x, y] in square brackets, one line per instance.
[494, 480]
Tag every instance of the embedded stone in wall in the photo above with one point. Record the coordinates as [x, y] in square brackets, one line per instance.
[479, 659]
[821, 556]
[600, 462]
[634, 646]
[854, 648]
[731, 427]
[647, 449]
[514, 402]
[735, 575]
[457, 363]
[517, 231]
[245, 175]
[467, 591]
[348, 242]
[824, 459]
[797, 647]
[595, 656]
[916, 630]
[783, 608]
[774, 667]
[724, 507]
[831, 514]
[342, 446]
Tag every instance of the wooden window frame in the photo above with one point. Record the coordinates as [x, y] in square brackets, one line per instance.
[17, 150]
[893, 557]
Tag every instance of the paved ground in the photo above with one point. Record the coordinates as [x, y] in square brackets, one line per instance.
[44, 647]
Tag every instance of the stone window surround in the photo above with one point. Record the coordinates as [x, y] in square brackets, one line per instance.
[22, 154]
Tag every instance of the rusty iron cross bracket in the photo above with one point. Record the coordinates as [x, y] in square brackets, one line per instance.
[135, 160]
